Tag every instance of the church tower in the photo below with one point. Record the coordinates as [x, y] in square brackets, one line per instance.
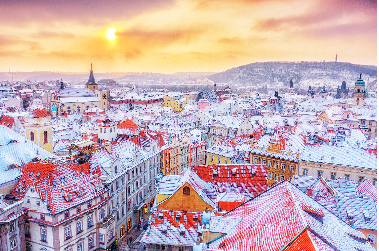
[359, 93]
[38, 129]
[91, 84]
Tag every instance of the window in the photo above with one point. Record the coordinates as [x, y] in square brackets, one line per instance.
[80, 246]
[186, 191]
[255, 160]
[31, 136]
[89, 205]
[281, 178]
[78, 209]
[45, 141]
[67, 232]
[374, 181]
[319, 173]
[269, 175]
[226, 161]
[90, 242]
[42, 217]
[115, 169]
[269, 163]
[38, 203]
[13, 243]
[333, 176]
[67, 214]
[105, 130]
[263, 161]
[43, 234]
[283, 166]
[12, 226]
[89, 221]
[177, 217]
[292, 169]
[101, 130]
[79, 227]
[102, 214]
[101, 239]
[276, 165]
[276, 177]
[212, 158]
[347, 177]
[219, 160]
[305, 172]
[195, 218]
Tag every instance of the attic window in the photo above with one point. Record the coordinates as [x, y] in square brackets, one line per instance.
[38, 174]
[68, 198]
[54, 183]
[182, 233]
[367, 216]
[177, 217]
[186, 191]
[195, 218]
[160, 216]
[31, 173]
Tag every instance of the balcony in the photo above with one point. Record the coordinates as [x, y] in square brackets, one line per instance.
[106, 222]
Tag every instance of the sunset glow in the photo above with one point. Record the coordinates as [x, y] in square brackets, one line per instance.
[183, 35]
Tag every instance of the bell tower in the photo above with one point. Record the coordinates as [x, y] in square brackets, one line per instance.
[38, 129]
[359, 93]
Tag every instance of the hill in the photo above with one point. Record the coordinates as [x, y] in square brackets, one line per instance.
[302, 74]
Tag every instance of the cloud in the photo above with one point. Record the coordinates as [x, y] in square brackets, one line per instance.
[19, 12]
[51, 34]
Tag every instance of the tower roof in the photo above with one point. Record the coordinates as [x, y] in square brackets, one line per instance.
[91, 79]
[360, 81]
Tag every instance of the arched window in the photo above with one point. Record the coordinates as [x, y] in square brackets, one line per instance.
[32, 136]
[186, 190]
[45, 141]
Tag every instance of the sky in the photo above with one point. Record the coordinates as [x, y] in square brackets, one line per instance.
[170, 36]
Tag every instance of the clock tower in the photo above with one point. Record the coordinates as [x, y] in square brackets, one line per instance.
[103, 96]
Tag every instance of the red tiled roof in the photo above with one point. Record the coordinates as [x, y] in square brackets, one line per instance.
[127, 124]
[251, 178]
[61, 187]
[7, 121]
[40, 113]
[186, 218]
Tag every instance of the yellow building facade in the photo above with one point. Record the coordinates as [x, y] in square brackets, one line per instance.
[174, 104]
[38, 129]
[217, 159]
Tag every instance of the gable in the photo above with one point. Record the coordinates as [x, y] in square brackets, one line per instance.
[182, 202]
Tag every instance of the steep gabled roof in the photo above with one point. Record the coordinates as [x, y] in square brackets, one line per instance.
[7, 121]
[61, 187]
[277, 217]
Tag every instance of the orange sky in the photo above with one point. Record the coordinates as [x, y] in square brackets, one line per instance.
[183, 35]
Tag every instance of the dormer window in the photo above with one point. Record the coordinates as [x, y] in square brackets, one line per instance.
[160, 216]
[195, 218]
[38, 174]
[177, 217]
[31, 173]
[367, 216]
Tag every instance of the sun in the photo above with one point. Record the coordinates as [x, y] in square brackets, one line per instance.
[110, 33]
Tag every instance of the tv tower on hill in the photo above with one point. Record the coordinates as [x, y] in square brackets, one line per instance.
[336, 57]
